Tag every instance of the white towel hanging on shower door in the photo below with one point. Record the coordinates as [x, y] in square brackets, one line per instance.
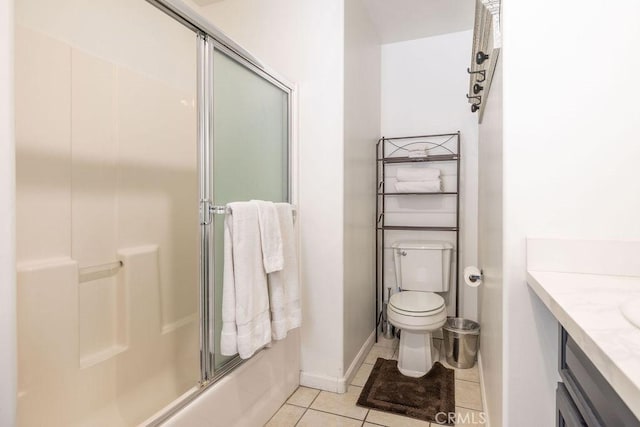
[246, 324]
[270, 236]
[284, 287]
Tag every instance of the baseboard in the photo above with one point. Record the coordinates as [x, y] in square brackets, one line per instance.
[338, 384]
[320, 382]
[357, 361]
[483, 391]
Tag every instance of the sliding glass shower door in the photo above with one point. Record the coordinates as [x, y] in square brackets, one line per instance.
[250, 151]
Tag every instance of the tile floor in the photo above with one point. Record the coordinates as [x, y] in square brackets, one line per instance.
[308, 407]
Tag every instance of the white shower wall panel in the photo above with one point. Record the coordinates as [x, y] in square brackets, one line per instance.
[43, 146]
[52, 383]
[106, 171]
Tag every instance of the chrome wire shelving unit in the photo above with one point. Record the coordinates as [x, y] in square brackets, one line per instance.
[411, 150]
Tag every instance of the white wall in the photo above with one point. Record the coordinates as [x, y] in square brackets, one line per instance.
[490, 255]
[571, 156]
[304, 42]
[424, 83]
[7, 221]
[361, 127]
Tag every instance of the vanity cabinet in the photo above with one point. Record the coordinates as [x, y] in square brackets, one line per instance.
[584, 397]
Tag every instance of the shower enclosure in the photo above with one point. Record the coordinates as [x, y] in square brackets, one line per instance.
[133, 120]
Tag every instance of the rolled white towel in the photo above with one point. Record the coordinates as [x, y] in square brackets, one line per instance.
[417, 174]
[433, 186]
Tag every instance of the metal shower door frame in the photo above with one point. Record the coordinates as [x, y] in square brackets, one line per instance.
[210, 39]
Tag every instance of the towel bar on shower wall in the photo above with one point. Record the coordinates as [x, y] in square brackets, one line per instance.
[223, 210]
[95, 272]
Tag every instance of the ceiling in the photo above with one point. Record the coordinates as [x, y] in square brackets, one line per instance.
[400, 20]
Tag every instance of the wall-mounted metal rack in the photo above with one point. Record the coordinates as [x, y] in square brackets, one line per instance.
[394, 151]
[485, 50]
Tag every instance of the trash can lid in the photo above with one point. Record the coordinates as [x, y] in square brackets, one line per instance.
[462, 326]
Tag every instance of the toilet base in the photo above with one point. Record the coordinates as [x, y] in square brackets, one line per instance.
[417, 354]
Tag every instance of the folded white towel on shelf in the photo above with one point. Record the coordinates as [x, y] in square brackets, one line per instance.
[433, 186]
[270, 236]
[284, 287]
[417, 174]
[246, 326]
[417, 153]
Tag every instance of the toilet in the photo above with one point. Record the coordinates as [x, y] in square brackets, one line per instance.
[422, 268]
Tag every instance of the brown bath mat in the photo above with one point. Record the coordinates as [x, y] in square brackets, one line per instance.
[422, 398]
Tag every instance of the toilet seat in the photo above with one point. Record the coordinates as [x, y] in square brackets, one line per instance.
[417, 311]
[416, 304]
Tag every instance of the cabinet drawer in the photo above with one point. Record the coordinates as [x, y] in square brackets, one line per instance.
[568, 414]
[594, 398]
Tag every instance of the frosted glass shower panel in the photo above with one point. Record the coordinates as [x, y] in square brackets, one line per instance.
[250, 150]
[250, 135]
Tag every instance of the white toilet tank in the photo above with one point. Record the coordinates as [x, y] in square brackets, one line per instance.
[423, 265]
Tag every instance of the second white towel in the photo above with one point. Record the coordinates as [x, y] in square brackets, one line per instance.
[270, 236]
[433, 186]
[417, 174]
[284, 293]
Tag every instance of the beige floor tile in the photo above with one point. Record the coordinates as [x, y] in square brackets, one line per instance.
[371, 425]
[392, 420]
[303, 396]
[316, 419]
[395, 354]
[379, 351]
[468, 418]
[471, 374]
[361, 377]
[341, 404]
[468, 395]
[287, 416]
[384, 342]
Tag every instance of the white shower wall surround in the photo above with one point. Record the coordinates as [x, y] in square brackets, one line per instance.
[125, 197]
[106, 135]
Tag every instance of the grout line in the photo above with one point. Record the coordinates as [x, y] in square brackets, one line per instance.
[337, 415]
[471, 409]
[382, 425]
[307, 408]
[296, 405]
[301, 417]
[314, 399]
[286, 403]
[467, 381]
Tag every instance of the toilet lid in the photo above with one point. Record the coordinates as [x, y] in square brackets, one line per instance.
[416, 302]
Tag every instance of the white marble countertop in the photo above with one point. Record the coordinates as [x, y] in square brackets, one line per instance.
[587, 306]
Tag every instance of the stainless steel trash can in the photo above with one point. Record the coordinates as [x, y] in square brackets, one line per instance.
[461, 338]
